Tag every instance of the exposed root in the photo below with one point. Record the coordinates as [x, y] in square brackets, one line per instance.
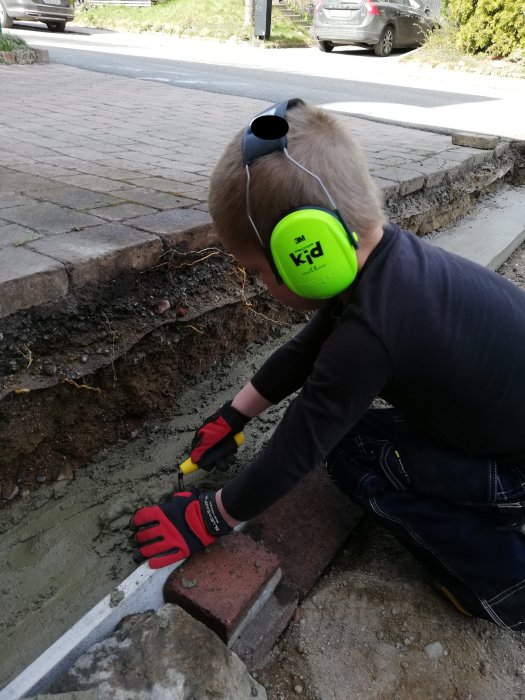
[172, 253]
[86, 387]
[27, 355]
[248, 303]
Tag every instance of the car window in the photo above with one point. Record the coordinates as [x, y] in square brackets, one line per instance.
[416, 4]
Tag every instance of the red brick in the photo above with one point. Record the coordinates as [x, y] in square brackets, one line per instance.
[306, 528]
[221, 585]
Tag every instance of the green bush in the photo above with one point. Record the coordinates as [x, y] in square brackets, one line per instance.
[495, 27]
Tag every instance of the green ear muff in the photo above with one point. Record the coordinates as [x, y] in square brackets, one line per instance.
[313, 254]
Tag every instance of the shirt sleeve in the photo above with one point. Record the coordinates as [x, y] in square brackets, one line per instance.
[286, 370]
[351, 369]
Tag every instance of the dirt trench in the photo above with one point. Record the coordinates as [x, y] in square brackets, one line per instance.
[82, 373]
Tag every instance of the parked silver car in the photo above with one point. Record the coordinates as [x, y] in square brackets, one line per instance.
[54, 13]
[381, 24]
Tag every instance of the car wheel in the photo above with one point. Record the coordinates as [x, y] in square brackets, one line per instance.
[56, 26]
[325, 46]
[5, 21]
[386, 42]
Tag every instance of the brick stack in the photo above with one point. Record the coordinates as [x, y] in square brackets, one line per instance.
[247, 586]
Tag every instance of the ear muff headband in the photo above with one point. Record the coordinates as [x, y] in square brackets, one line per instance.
[310, 249]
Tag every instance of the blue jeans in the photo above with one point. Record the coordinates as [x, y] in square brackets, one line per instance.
[462, 516]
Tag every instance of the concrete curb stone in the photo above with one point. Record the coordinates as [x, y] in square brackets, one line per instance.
[236, 591]
[257, 639]
[43, 279]
[98, 253]
[306, 528]
[221, 585]
[464, 138]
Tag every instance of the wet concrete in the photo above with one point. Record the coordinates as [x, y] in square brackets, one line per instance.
[64, 546]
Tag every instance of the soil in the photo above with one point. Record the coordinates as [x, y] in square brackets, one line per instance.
[370, 629]
[100, 395]
[79, 374]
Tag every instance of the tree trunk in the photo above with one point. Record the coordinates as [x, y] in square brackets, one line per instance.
[248, 12]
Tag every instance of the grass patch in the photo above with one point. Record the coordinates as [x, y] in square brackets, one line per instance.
[204, 19]
[440, 51]
[11, 43]
[15, 50]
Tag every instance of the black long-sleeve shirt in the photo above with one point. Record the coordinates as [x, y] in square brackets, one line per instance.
[437, 336]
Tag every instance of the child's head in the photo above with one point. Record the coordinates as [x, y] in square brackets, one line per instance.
[320, 142]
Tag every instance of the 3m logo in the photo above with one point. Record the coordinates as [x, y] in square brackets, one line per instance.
[299, 239]
[306, 257]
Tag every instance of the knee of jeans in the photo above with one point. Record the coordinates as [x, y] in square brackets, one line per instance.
[351, 477]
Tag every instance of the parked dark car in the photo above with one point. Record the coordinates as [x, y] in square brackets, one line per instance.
[381, 24]
[53, 13]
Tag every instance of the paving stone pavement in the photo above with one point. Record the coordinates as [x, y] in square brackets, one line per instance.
[100, 173]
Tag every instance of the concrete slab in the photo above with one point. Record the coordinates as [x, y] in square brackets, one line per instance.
[75, 197]
[122, 212]
[491, 232]
[100, 252]
[13, 234]
[27, 278]
[14, 199]
[96, 183]
[40, 169]
[389, 188]
[169, 224]
[409, 180]
[168, 184]
[154, 198]
[49, 218]
[24, 182]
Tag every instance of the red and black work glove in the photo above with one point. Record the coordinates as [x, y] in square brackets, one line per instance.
[214, 444]
[185, 523]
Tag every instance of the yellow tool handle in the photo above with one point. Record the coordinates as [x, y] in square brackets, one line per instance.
[187, 467]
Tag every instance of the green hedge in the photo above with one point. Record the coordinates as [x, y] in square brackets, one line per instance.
[496, 27]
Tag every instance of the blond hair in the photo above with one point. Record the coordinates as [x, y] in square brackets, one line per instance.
[320, 142]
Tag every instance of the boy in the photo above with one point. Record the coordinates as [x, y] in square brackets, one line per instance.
[436, 336]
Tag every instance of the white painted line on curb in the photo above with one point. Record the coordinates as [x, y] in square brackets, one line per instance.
[141, 591]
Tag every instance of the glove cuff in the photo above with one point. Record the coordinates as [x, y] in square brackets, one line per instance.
[213, 520]
[233, 417]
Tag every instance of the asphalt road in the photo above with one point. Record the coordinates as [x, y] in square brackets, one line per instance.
[96, 50]
[351, 80]
[249, 82]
